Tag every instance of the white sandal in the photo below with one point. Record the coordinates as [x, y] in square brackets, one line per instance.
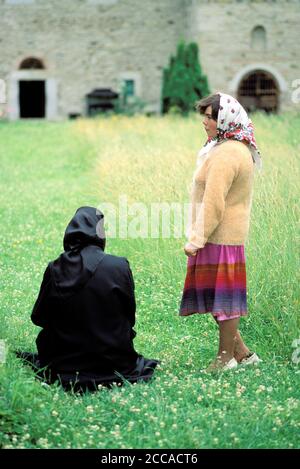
[230, 365]
[252, 359]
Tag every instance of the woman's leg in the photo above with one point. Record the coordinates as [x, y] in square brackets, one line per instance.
[228, 330]
[227, 334]
[240, 348]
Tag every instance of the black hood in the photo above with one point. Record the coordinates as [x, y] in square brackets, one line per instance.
[84, 243]
[86, 228]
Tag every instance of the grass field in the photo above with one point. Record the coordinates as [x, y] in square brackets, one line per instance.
[50, 169]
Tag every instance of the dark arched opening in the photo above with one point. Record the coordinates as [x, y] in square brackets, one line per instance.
[32, 94]
[31, 63]
[258, 90]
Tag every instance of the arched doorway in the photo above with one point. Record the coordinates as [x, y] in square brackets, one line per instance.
[32, 95]
[258, 90]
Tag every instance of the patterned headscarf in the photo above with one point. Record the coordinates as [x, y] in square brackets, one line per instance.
[233, 124]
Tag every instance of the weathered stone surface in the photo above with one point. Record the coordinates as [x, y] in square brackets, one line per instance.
[87, 44]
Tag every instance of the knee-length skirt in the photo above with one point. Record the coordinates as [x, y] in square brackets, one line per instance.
[216, 282]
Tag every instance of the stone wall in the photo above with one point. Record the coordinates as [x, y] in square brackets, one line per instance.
[223, 31]
[87, 44]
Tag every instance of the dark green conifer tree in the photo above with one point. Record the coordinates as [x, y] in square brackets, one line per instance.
[183, 81]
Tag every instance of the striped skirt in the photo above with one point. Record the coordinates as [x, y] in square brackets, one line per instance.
[216, 282]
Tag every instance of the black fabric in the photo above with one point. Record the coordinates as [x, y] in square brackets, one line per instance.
[84, 381]
[83, 237]
[86, 308]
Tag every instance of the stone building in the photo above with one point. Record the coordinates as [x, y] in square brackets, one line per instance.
[54, 53]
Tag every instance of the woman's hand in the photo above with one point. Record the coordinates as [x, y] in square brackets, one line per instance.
[190, 250]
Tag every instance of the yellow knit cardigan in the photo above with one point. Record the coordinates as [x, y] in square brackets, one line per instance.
[221, 196]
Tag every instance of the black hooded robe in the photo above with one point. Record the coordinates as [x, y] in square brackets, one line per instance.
[86, 308]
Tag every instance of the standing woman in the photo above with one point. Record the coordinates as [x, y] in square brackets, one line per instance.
[221, 203]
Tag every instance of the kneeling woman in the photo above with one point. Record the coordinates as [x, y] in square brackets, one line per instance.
[86, 308]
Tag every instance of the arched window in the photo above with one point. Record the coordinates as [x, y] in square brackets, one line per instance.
[258, 38]
[31, 63]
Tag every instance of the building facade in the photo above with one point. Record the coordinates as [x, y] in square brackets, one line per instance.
[56, 52]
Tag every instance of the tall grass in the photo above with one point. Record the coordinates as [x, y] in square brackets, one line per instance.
[47, 171]
[153, 161]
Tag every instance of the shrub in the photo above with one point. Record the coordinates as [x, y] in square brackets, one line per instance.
[183, 81]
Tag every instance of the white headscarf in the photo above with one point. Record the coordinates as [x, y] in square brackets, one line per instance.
[233, 124]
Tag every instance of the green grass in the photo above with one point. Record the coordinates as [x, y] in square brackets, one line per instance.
[50, 169]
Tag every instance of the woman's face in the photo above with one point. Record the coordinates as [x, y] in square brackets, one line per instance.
[209, 123]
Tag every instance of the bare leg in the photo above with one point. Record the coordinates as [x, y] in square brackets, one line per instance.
[240, 348]
[227, 339]
[228, 331]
